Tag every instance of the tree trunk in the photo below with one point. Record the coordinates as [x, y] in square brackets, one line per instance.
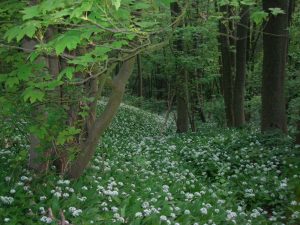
[227, 66]
[37, 159]
[275, 44]
[182, 121]
[103, 121]
[140, 77]
[298, 131]
[241, 65]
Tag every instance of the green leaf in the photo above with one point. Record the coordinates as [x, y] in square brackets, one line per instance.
[30, 29]
[12, 33]
[68, 72]
[85, 7]
[11, 81]
[119, 44]
[39, 131]
[83, 60]
[259, 16]
[68, 40]
[67, 135]
[131, 36]
[100, 51]
[141, 5]
[53, 84]
[19, 32]
[276, 11]
[31, 12]
[24, 72]
[33, 56]
[33, 94]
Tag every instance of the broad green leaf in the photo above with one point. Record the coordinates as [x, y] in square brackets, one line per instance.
[33, 94]
[85, 7]
[259, 16]
[68, 40]
[130, 36]
[83, 60]
[31, 12]
[19, 32]
[276, 11]
[119, 44]
[33, 55]
[39, 131]
[100, 51]
[12, 33]
[68, 72]
[11, 81]
[50, 5]
[24, 72]
[53, 84]
[67, 135]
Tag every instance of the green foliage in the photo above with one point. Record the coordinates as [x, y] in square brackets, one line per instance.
[215, 110]
[276, 11]
[258, 17]
[67, 135]
[51, 48]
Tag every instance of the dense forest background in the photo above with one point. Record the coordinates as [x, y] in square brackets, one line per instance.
[203, 67]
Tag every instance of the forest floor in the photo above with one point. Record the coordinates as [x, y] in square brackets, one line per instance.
[215, 176]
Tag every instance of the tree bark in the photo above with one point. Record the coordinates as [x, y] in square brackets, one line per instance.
[241, 65]
[298, 133]
[227, 65]
[102, 122]
[140, 77]
[274, 44]
[37, 159]
[182, 121]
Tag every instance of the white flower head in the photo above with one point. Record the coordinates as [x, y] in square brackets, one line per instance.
[203, 210]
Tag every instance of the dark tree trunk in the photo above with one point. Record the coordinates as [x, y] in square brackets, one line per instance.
[275, 44]
[227, 65]
[292, 6]
[38, 160]
[298, 131]
[241, 64]
[182, 121]
[140, 77]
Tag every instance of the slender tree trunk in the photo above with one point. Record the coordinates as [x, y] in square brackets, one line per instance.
[274, 43]
[140, 77]
[182, 121]
[200, 97]
[298, 133]
[227, 66]
[103, 121]
[37, 159]
[54, 68]
[241, 65]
